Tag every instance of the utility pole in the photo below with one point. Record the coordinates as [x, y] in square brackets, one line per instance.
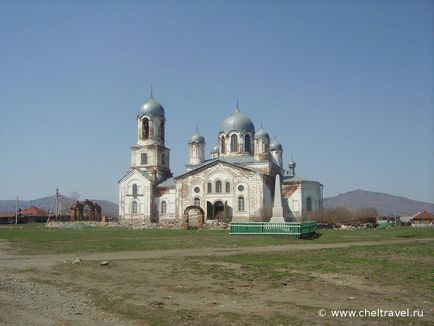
[57, 204]
[16, 211]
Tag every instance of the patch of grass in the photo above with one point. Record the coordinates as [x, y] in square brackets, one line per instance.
[382, 264]
[36, 239]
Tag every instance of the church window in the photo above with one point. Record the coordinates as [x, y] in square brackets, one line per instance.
[162, 130]
[145, 128]
[163, 208]
[196, 190]
[241, 203]
[197, 201]
[228, 187]
[309, 204]
[266, 148]
[134, 190]
[234, 143]
[163, 159]
[240, 188]
[218, 186]
[247, 143]
[223, 146]
[144, 158]
[134, 208]
[209, 187]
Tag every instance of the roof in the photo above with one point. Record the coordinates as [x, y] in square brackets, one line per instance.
[33, 211]
[289, 179]
[9, 213]
[131, 171]
[237, 122]
[422, 215]
[261, 133]
[168, 183]
[214, 161]
[151, 108]
[274, 145]
[197, 138]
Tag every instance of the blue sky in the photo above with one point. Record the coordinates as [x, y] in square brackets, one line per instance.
[346, 86]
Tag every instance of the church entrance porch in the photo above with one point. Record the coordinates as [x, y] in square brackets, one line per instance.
[219, 211]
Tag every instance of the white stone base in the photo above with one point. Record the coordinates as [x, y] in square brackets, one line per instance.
[277, 219]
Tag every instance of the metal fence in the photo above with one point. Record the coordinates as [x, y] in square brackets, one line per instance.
[288, 229]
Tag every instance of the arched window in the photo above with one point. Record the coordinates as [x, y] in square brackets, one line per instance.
[218, 186]
[163, 159]
[163, 208]
[309, 204]
[228, 187]
[197, 201]
[234, 143]
[223, 145]
[145, 128]
[134, 190]
[209, 187]
[241, 203]
[266, 148]
[134, 209]
[162, 130]
[144, 158]
[247, 143]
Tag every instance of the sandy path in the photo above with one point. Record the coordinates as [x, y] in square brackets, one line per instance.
[37, 261]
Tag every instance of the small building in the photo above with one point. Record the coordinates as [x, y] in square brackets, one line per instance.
[34, 214]
[422, 219]
[8, 217]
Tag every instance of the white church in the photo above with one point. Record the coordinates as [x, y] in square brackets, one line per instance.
[236, 183]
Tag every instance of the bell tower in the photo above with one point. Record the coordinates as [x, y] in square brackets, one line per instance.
[150, 154]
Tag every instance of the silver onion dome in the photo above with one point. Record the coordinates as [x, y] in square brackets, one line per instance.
[237, 122]
[151, 108]
[261, 133]
[275, 145]
[197, 138]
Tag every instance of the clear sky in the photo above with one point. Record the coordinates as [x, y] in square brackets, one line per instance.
[346, 86]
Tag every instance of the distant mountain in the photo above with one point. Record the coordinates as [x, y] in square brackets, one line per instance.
[385, 204]
[108, 208]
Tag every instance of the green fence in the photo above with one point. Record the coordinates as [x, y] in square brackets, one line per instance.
[288, 229]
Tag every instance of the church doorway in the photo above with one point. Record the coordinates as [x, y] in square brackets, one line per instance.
[222, 211]
[219, 210]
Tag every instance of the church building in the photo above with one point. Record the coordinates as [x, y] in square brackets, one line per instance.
[236, 183]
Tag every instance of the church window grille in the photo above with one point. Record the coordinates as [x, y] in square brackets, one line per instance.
[309, 204]
[134, 208]
[209, 187]
[234, 143]
[197, 201]
[241, 203]
[144, 158]
[196, 190]
[228, 187]
[240, 188]
[218, 186]
[163, 208]
[134, 190]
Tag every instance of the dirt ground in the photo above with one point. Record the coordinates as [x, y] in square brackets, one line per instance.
[178, 287]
